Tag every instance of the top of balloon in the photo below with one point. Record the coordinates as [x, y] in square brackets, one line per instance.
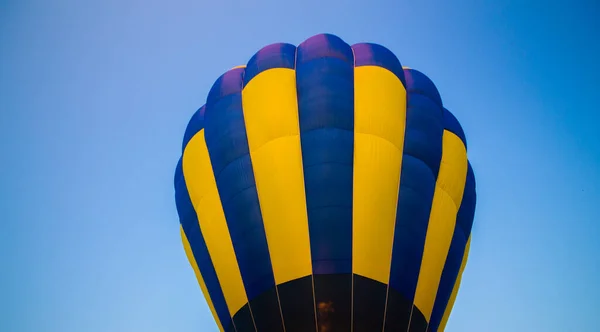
[285, 55]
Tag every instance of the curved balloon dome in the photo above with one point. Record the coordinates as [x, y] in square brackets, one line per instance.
[324, 187]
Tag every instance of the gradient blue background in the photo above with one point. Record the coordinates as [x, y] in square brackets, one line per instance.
[95, 97]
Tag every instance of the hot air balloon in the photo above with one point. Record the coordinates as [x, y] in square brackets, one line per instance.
[324, 187]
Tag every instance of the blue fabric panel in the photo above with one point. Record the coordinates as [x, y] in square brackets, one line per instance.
[421, 161]
[417, 186]
[280, 55]
[228, 149]
[419, 83]
[464, 222]
[189, 223]
[424, 130]
[325, 88]
[324, 46]
[466, 213]
[368, 54]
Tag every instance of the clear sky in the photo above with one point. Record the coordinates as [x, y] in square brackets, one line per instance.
[95, 96]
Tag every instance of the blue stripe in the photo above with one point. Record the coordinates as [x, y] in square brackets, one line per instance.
[452, 125]
[280, 55]
[466, 214]
[369, 54]
[325, 88]
[325, 47]
[227, 145]
[195, 124]
[464, 222]
[189, 223]
[421, 161]
[419, 83]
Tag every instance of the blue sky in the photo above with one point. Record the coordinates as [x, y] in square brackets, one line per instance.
[95, 96]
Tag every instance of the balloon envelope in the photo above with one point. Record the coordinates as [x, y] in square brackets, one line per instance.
[324, 187]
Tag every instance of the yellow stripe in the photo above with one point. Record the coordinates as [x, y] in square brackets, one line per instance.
[202, 187]
[190, 256]
[446, 200]
[271, 117]
[455, 288]
[379, 122]
[236, 67]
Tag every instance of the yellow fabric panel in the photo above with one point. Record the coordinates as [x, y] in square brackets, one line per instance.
[442, 220]
[379, 122]
[455, 288]
[202, 187]
[271, 117]
[192, 260]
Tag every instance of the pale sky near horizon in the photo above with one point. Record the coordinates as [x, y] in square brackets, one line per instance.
[95, 97]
